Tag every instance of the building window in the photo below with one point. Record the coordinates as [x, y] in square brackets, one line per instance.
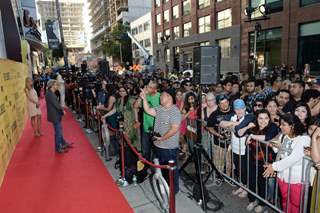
[147, 42]
[175, 12]
[167, 32]
[205, 43]
[165, 1]
[167, 55]
[268, 48]
[203, 3]
[157, 3]
[134, 46]
[307, 2]
[158, 19]
[159, 35]
[186, 7]
[134, 31]
[146, 26]
[158, 55]
[309, 51]
[176, 32]
[187, 29]
[204, 24]
[224, 19]
[166, 16]
[140, 28]
[225, 45]
[272, 5]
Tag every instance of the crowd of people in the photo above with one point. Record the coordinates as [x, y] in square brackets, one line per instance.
[272, 123]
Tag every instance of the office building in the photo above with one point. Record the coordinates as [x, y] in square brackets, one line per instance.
[105, 14]
[72, 17]
[141, 29]
[181, 25]
[289, 34]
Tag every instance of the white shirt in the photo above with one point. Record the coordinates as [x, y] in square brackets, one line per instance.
[289, 167]
[238, 144]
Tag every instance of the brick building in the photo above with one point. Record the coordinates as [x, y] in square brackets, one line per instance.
[181, 25]
[291, 35]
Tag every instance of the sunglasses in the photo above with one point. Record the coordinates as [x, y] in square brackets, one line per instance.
[188, 85]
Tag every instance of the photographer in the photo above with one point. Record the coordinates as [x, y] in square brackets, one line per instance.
[167, 123]
[153, 99]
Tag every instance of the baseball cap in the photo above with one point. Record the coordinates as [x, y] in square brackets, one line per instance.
[239, 104]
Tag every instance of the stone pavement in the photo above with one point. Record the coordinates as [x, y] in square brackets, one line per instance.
[142, 198]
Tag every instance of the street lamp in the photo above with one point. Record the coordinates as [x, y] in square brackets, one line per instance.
[164, 41]
[257, 28]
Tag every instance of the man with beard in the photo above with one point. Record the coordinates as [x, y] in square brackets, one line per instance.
[221, 135]
[283, 99]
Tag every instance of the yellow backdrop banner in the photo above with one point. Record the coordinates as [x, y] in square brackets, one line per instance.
[12, 109]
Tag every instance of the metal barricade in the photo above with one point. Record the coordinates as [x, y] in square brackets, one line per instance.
[246, 171]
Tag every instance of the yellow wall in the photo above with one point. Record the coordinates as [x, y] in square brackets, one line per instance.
[12, 109]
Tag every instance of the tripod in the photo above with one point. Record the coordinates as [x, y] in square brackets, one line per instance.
[198, 154]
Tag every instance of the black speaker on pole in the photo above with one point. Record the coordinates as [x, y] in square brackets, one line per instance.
[206, 64]
[104, 67]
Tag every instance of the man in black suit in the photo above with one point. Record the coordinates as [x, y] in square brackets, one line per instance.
[54, 115]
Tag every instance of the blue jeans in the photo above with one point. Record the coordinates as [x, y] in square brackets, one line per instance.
[146, 145]
[164, 155]
[58, 136]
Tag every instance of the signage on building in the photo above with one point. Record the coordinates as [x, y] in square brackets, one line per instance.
[30, 26]
[53, 34]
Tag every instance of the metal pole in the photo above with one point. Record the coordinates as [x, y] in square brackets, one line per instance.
[172, 202]
[122, 153]
[254, 52]
[120, 52]
[64, 48]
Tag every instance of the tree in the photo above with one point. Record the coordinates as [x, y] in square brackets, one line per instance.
[111, 42]
[47, 56]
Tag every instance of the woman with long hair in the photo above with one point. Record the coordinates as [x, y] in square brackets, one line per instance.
[190, 113]
[259, 154]
[302, 111]
[183, 126]
[289, 161]
[33, 106]
[110, 117]
[273, 108]
[126, 114]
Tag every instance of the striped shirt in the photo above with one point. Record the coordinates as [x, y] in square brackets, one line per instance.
[164, 119]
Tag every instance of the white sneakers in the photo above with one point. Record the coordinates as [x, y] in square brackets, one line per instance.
[252, 205]
[240, 192]
[259, 209]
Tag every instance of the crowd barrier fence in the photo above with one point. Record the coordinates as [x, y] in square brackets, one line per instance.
[246, 171]
[124, 140]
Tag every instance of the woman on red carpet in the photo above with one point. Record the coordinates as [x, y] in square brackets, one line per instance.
[33, 106]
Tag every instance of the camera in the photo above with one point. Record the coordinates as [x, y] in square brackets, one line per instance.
[154, 134]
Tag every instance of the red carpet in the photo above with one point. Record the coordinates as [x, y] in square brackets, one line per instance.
[40, 181]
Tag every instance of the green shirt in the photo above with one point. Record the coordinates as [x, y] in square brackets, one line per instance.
[148, 120]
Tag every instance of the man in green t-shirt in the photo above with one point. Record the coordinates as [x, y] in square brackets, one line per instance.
[153, 98]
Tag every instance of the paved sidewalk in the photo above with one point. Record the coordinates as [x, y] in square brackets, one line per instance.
[142, 199]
